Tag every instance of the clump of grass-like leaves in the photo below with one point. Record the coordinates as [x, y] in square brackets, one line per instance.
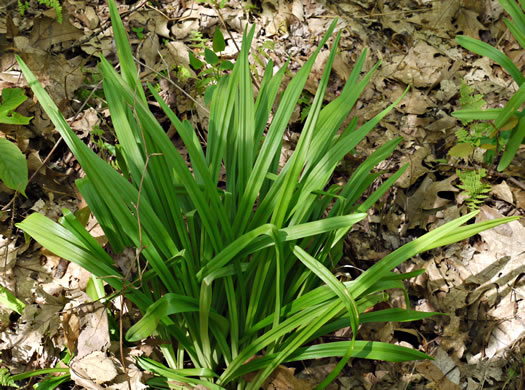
[239, 277]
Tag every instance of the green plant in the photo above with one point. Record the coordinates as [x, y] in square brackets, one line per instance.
[510, 121]
[197, 40]
[23, 6]
[107, 150]
[475, 133]
[91, 93]
[305, 101]
[261, 52]
[139, 31]
[50, 382]
[13, 171]
[238, 275]
[474, 189]
[10, 301]
[11, 99]
[13, 166]
[215, 67]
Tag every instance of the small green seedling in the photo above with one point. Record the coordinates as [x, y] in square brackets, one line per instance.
[139, 31]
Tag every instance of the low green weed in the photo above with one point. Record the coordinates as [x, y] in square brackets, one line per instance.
[235, 254]
[13, 173]
[473, 187]
[214, 67]
[509, 122]
[475, 133]
[13, 166]
[198, 41]
[139, 31]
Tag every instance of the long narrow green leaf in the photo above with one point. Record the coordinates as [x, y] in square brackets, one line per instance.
[362, 349]
[321, 173]
[443, 235]
[63, 243]
[383, 188]
[228, 253]
[169, 304]
[296, 340]
[127, 62]
[484, 49]
[301, 318]
[266, 99]
[464, 232]
[10, 301]
[197, 158]
[513, 145]
[106, 179]
[334, 113]
[174, 164]
[181, 376]
[299, 157]
[246, 116]
[518, 16]
[221, 111]
[511, 107]
[273, 138]
[326, 276]
[518, 34]
[387, 315]
[471, 115]
[396, 315]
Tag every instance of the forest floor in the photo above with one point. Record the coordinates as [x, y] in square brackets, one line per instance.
[480, 344]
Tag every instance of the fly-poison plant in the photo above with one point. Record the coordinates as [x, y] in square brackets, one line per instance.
[238, 276]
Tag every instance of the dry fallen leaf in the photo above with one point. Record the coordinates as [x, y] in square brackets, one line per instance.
[502, 191]
[416, 168]
[423, 67]
[95, 367]
[468, 23]
[441, 372]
